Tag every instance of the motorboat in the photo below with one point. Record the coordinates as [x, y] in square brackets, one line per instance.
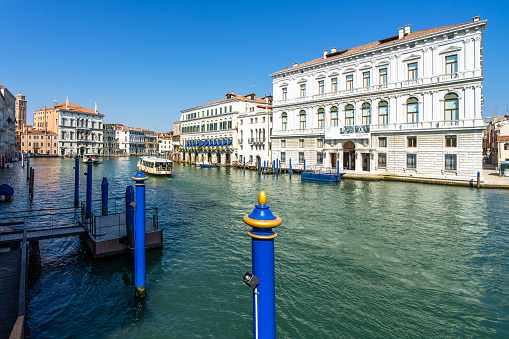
[155, 166]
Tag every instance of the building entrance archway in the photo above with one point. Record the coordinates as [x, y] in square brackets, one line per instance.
[218, 157]
[349, 155]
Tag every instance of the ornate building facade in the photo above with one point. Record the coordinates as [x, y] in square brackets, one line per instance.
[407, 105]
[209, 132]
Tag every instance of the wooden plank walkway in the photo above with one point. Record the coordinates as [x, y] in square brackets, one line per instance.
[41, 233]
[10, 266]
[113, 227]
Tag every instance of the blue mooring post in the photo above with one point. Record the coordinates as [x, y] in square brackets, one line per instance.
[337, 169]
[290, 167]
[262, 238]
[76, 181]
[259, 166]
[104, 194]
[244, 164]
[304, 165]
[129, 216]
[273, 168]
[277, 166]
[89, 188]
[139, 234]
[28, 168]
[478, 178]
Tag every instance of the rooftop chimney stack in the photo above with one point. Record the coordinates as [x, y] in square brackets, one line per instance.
[96, 107]
[476, 18]
[295, 64]
[67, 103]
[333, 49]
[407, 29]
[325, 54]
[400, 31]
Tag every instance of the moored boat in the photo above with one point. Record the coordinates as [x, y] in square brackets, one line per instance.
[207, 165]
[94, 158]
[155, 166]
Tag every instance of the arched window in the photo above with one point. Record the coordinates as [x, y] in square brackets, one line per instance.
[349, 115]
[302, 115]
[451, 107]
[383, 113]
[334, 116]
[284, 121]
[366, 113]
[412, 110]
[321, 118]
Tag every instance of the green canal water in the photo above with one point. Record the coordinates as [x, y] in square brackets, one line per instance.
[354, 259]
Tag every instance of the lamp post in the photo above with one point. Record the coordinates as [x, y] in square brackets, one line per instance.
[262, 236]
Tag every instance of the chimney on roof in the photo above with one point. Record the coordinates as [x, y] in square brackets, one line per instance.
[295, 64]
[67, 103]
[333, 49]
[407, 29]
[400, 33]
[96, 107]
[476, 18]
[325, 54]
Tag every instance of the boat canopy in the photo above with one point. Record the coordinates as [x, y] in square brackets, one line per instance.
[6, 190]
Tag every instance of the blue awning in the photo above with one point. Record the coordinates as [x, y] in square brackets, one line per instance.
[194, 143]
[187, 145]
[223, 143]
[229, 142]
[215, 143]
[201, 143]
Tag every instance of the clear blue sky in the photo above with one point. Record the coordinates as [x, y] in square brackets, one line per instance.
[144, 61]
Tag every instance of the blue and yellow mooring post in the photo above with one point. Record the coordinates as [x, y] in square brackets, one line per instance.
[89, 188]
[139, 234]
[76, 181]
[104, 196]
[262, 239]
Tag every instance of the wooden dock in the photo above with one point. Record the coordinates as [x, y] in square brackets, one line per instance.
[109, 235]
[41, 233]
[10, 271]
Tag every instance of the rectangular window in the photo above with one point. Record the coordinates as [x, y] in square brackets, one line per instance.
[285, 92]
[301, 143]
[383, 76]
[320, 143]
[450, 141]
[382, 160]
[412, 71]
[451, 162]
[411, 141]
[451, 64]
[283, 143]
[349, 81]
[366, 76]
[382, 142]
[411, 160]
[334, 84]
[319, 158]
[231, 108]
[301, 157]
[320, 87]
[302, 90]
[283, 157]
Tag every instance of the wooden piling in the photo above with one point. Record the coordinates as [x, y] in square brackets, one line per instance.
[31, 182]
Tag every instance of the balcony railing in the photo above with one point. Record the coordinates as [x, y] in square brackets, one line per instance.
[295, 132]
[256, 140]
[388, 86]
[439, 124]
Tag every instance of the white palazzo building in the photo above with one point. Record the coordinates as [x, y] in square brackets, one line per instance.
[210, 132]
[407, 105]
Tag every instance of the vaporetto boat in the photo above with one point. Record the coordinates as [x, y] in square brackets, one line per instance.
[156, 166]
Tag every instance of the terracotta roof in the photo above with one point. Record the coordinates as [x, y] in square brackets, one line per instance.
[72, 107]
[382, 42]
[233, 97]
[502, 138]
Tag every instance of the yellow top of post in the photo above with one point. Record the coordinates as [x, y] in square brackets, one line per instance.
[262, 198]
